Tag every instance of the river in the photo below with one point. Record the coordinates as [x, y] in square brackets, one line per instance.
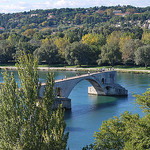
[89, 111]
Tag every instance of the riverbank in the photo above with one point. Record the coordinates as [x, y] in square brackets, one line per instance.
[133, 71]
[80, 69]
[50, 68]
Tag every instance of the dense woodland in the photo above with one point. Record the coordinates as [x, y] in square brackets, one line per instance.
[81, 36]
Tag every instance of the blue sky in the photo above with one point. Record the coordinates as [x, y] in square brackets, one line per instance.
[10, 6]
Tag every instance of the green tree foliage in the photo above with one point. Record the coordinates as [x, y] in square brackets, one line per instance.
[109, 12]
[45, 31]
[48, 52]
[137, 32]
[142, 55]
[110, 53]
[72, 36]
[76, 34]
[6, 51]
[129, 131]
[131, 10]
[24, 39]
[144, 101]
[128, 50]
[26, 47]
[61, 44]
[88, 17]
[77, 53]
[37, 36]
[77, 18]
[94, 39]
[146, 38]
[13, 39]
[123, 39]
[104, 30]
[29, 33]
[114, 38]
[27, 121]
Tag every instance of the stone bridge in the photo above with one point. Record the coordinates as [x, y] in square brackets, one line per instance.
[103, 83]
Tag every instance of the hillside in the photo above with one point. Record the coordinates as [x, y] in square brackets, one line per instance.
[61, 19]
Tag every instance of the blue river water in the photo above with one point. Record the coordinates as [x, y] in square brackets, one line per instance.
[89, 111]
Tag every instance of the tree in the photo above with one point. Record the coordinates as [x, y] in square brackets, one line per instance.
[137, 32]
[110, 53]
[142, 55]
[48, 53]
[114, 37]
[123, 39]
[45, 31]
[144, 101]
[129, 131]
[146, 38]
[94, 39]
[77, 53]
[131, 10]
[29, 33]
[26, 47]
[77, 18]
[109, 12]
[13, 39]
[28, 122]
[128, 50]
[72, 36]
[6, 51]
[61, 43]
[37, 36]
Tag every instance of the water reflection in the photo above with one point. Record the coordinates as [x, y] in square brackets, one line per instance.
[75, 129]
[97, 103]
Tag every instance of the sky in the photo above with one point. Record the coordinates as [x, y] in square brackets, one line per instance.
[11, 6]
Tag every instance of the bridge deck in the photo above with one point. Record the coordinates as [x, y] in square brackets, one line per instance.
[78, 76]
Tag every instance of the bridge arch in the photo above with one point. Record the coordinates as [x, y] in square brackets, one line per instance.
[97, 86]
[65, 90]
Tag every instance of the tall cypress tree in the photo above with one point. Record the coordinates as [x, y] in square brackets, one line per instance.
[28, 122]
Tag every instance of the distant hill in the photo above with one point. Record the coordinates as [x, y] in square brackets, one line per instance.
[64, 18]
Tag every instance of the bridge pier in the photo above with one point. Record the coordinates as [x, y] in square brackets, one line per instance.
[66, 102]
[116, 90]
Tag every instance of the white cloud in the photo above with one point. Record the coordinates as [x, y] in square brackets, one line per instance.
[66, 3]
[5, 1]
[12, 7]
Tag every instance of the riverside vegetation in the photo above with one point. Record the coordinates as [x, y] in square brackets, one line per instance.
[92, 36]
